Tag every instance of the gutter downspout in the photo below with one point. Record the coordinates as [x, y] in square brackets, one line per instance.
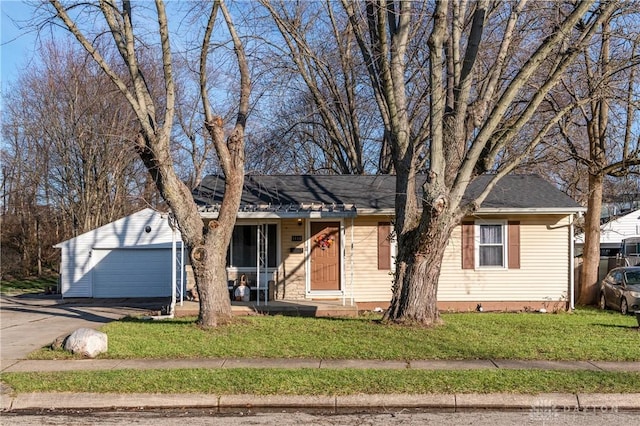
[572, 284]
[351, 261]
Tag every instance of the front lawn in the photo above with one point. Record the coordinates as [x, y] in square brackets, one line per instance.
[586, 334]
[583, 335]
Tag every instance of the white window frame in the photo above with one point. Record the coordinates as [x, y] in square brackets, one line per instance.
[477, 244]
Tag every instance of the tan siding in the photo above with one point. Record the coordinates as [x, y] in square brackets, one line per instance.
[369, 283]
[291, 283]
[543, 273]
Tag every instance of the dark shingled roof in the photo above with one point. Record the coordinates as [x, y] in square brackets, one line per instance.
[376, 191]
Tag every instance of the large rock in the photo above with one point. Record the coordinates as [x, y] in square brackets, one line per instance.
[87, 342]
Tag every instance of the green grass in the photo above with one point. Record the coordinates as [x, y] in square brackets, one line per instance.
[27, 285]
[323, 382]
[586, 334]
[583, 335]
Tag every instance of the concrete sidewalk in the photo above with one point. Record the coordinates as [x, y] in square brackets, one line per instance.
[542, 403]
[150, 364]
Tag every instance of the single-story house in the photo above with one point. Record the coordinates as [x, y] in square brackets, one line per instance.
[330, 238]
[131, 257]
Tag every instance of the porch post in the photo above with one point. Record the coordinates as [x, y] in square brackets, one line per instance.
[181, 273]
[258, 260]
[173, 268]
[266, 263]
[262, 260]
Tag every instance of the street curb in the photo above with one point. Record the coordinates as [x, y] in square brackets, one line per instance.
[541, 403]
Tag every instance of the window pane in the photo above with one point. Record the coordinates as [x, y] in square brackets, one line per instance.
[491, 256]
[244, 246]
[272, 234]
[632, 278]
[490, 234]
[491, 247]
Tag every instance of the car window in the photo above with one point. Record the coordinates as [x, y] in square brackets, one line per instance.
[617, 277]
[633, 277]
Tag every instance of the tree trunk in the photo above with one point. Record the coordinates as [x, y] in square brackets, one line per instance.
[208, 242]
[418, 263]
[210, 274]
[588, 291]
[39, 245]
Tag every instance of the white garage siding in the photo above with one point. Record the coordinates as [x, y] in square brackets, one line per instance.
[125, 251]
[132, 273]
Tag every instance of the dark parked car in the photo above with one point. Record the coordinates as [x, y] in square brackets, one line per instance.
[620, 289]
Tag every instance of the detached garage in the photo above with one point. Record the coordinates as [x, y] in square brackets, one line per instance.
[131, 257]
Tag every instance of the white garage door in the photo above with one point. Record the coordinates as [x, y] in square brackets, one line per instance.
[132, 273]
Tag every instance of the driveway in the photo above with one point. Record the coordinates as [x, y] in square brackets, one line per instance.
[29, 322]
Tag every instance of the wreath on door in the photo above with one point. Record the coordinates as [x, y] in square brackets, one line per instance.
[324, 241]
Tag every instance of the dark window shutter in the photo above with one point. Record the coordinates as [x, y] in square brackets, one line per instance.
[384, 245]
[468, 261]
[514, 245]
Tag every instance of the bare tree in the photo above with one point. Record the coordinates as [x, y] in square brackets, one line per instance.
[193, 150]
[319, 68]
[208, 242]
[600, 162]
[599, 139]
[66, 162]
[24, 217]
[475, 112]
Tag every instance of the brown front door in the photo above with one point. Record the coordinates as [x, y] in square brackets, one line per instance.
[325, 256]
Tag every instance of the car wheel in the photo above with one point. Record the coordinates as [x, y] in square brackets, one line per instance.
[624, 308]
[603, 301]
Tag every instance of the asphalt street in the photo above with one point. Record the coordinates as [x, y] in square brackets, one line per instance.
[404, 417]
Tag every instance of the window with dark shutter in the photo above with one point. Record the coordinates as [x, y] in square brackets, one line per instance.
[496, 245]
[384, 245]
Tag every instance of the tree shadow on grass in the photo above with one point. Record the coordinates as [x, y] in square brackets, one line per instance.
[628, 327]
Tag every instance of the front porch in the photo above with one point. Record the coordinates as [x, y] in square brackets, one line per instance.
[305, 308]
